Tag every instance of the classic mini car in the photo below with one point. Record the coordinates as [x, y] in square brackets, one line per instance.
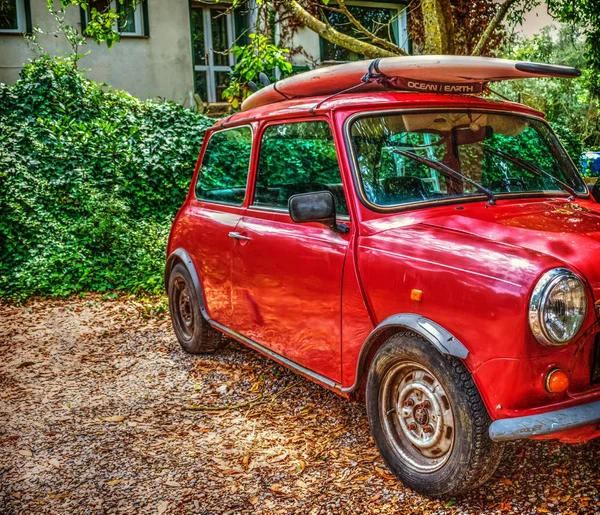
[433, 254]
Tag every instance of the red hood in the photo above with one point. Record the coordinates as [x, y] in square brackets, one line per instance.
[569, 231]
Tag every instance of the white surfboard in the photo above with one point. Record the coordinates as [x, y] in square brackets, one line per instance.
[428, 73]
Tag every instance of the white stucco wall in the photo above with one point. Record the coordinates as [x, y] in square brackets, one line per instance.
[157, 66]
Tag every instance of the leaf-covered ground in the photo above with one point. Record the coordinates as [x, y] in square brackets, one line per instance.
[94, 418]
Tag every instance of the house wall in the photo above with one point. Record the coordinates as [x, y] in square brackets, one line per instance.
[157, 66]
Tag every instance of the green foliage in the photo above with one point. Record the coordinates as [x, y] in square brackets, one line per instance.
[585, 14]
[258, 56]
[101, 24]
[89, 183]
[569, 104]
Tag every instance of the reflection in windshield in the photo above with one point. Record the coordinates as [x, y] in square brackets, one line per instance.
[475, 144]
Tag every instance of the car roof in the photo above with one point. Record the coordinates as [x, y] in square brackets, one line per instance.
[357, 102]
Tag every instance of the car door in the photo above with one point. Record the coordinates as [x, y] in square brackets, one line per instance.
[217, 208]
[287, 277]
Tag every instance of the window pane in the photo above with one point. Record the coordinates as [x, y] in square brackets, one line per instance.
[99, 5]
[8, 15]
[127, 16]
[201, 85]
[380, 21]
[225, 165]
[297, 158]
[399, 156]
[198, 36]
[221, 80]
[220, 43]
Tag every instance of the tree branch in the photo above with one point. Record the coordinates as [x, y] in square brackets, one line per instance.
[496, 20]
[376, 40]
[335, 37]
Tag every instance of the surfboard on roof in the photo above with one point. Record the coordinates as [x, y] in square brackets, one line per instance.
[427, 73]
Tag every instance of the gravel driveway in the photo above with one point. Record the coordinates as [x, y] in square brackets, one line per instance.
[101, 412]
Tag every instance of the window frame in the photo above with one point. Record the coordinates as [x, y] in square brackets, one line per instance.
[358, 184]
[250, 165]
[140, 16]
[259, 139]
[24, 25]
[401, 25]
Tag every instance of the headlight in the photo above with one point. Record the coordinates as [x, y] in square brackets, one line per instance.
[558, 307]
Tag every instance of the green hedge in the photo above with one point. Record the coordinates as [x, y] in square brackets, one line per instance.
[89, 183]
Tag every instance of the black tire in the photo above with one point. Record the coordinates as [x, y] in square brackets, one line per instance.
[448, 412]
[194, 333]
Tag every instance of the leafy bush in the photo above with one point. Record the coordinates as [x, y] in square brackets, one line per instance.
[89, 183]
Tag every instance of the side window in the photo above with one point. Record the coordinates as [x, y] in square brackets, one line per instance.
[224, 172]
[297, 158]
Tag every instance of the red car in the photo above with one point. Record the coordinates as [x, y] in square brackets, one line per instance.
[433, 254]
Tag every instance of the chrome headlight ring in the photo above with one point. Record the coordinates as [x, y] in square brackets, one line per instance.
[558, 307]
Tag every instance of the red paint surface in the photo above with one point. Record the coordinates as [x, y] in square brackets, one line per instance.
[313, 296]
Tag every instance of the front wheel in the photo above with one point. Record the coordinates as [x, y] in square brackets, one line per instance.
[428, 419]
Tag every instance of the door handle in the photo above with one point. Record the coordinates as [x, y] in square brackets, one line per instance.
[238, 236]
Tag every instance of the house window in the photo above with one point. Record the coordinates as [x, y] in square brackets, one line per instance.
[213, 34]
[133, 15]
[15, 16]
[387, 21]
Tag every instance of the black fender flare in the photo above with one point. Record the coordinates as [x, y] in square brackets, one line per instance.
[181, 255]
[434, 333]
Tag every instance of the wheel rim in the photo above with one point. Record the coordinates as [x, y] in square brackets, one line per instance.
[417, 417]
[184, 308]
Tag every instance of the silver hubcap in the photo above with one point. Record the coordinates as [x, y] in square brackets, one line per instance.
[417, 416]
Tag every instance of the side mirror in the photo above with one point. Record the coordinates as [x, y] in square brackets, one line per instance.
[595, 191]
[318, 206]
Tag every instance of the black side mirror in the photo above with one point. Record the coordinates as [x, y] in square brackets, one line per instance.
[595, 191]
[318, 206]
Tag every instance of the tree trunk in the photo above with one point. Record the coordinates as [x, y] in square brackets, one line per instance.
[438, 27]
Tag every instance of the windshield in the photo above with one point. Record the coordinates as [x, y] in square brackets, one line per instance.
[399, 157]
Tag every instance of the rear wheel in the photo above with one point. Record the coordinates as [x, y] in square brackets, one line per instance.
[428, 419]
[192, 330]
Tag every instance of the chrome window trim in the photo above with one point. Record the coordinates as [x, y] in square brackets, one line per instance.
[358, 185]
[538, 300]
[210, 135]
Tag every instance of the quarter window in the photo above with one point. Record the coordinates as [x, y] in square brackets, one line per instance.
[224, 172]
[297, 158]
[14, 16]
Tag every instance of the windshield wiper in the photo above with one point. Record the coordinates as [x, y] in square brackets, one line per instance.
[446, 170]
[535, 170]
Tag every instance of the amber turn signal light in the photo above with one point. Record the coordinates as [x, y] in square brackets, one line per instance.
[416, 295]
[557, 381]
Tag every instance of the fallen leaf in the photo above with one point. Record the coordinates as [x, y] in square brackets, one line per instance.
[254, 500]
[506, 481]
[113, 482]
[449, 503]
[382, 473]
[174, 484]
[24, 364]
[162, 507]
[375, 497]
[54, 462]
[279, 489]
[25, 452]
[116, 418]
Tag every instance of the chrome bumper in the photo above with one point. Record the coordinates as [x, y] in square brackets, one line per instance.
[545, 423]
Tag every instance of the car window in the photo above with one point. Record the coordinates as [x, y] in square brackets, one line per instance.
[224, 172]
[297, 158]
[404, 158]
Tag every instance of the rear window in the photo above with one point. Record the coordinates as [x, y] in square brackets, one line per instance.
[223, 176]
